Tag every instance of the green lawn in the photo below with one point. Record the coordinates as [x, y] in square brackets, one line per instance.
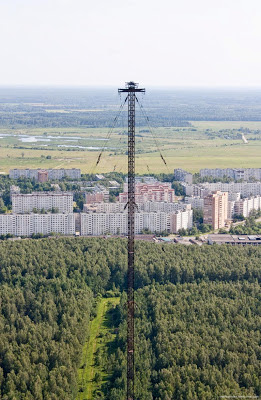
[101, 333]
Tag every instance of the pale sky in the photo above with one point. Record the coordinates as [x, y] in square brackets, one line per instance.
[107, 42]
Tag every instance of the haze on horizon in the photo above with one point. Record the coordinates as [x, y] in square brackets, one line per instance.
[168, 43]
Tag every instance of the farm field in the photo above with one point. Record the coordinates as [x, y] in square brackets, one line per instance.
[203, 144]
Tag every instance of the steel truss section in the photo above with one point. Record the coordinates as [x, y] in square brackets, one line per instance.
[131, 88]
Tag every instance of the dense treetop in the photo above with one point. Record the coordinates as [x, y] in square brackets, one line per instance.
[197, 327]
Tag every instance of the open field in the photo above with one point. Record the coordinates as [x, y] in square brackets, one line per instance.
[100, 334]
[205, 144]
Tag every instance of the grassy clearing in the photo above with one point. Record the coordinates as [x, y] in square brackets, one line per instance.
[101, 333]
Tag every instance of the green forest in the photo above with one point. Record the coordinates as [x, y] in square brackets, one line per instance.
[198, 318]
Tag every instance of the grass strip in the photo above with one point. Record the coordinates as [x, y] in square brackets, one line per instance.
[88, 369]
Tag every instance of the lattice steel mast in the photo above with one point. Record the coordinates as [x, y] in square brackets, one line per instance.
[131, 88]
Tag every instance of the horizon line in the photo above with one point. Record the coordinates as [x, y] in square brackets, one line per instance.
[113, 86]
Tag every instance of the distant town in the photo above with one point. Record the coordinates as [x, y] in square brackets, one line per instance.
[183, 204]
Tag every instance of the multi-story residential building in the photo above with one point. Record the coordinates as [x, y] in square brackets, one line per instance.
[98, 194]
[42, 176]
[233, 196]
[195, 201]
[230, 209]
[245, 206]
[149, 206]
[105, 207]
[234, 173]
[246, 189]
[57, 174]
[159, 191]
[28, 224]
[26, 203]
[96, 197]
[215, 209]
[183, 176]
[52, 174]
[149, 180]
[196, 190]
[100, 223]
[23, 173]
[95, 224]
[181, 219]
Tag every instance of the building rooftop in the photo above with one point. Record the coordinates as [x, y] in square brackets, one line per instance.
[234, 239]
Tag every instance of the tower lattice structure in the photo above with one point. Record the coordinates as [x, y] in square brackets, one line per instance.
[131, 88]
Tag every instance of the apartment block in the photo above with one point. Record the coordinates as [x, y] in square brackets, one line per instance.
[181, 219]
[149, 180]
[160, 191]
[42, 176]
[28, 224]
[101, 207]
[183, 176]
[149, 206]
[26, 203]
[195, 202]
[245, 206]
[230, 209]
[117, 223]
[52, 174]
[233, 196]
[215, 210]
[152, 206]
[94, 224]
[246, 189]
[236, 174]
[97, 197]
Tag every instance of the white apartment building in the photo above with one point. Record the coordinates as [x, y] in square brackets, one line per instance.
[149, 206]
[247, 189]
[233, 196]
[182, 175]
[181, 219]
[234, 173]
[23, 173]
[117, 223]
[245, 206]
[28, 224]
[195, 202]
[105, 207]
[230, 209]
[26, 203]
[57, 174]
[53, 174]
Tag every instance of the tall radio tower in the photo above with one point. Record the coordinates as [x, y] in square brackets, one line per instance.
[131, 88]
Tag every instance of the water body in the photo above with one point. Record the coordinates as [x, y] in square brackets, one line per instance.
[81, 147]
[31, 139]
